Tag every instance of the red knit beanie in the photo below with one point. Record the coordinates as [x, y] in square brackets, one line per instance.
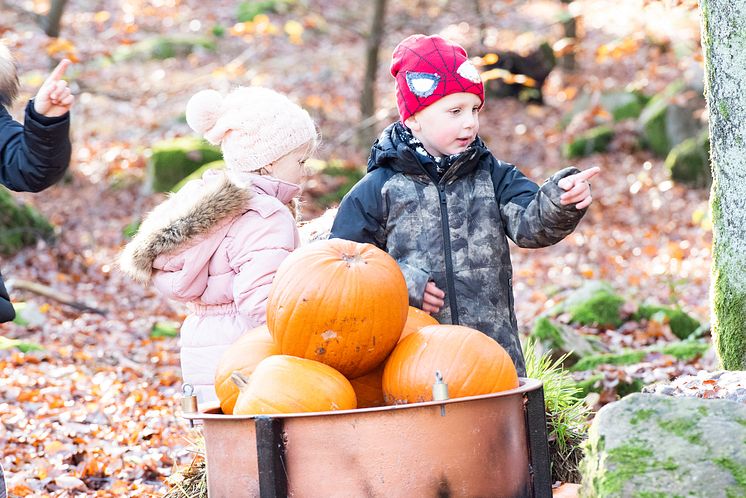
[427, 68]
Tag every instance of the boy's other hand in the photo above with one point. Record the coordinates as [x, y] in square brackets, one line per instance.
[577, 188]
[432, 301]
[54, 97]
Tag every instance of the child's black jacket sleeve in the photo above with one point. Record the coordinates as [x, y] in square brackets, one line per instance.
[533, 216]
[361, 213]
[35, 155]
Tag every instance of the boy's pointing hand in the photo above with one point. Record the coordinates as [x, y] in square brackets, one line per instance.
[577, 188]
[54, 98]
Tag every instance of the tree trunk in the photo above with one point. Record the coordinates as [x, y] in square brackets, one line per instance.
[52, 22]
[366, 134]
[724, 46]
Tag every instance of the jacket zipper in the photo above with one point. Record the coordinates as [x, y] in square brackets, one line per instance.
[448, 257]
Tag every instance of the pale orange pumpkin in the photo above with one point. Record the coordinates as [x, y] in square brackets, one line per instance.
[287, 384]
[470, 362]
[369, 388]
[243, 356]
[340, 303]
[416, 319]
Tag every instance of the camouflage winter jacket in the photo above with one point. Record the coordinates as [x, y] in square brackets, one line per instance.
[454, 231]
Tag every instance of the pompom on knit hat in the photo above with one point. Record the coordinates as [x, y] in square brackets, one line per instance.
[253, 126]
[427, 68]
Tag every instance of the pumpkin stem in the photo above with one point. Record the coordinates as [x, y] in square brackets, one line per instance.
[351, 258]
[240, 380]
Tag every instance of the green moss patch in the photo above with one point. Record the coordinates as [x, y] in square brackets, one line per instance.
[682, 324]
[683, 427]
[684, 351]
[626, 462]
[173, 160]
[594, 140]
[596, 304]
[20, 224]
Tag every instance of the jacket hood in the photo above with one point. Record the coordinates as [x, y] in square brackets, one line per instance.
[187, 217]
[392, 151]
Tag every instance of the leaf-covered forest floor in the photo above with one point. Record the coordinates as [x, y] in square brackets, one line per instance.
[94, 413]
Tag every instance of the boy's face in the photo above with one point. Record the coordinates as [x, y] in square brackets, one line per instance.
[449, 125]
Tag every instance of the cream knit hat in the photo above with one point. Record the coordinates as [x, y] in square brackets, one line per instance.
[254, 126]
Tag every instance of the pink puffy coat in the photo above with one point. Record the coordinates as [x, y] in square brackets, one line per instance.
[216, 245]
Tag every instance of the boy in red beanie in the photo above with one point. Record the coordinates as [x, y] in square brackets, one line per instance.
[438, 201]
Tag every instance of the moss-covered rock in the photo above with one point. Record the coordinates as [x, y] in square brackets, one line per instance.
[682, 325]
[594, 303]
[197, 174]
[173, 160]
[623, 104]
[689, 161]
[20, 224]
[651, 445]
[164, 47]
[665, 123]
[594, 140]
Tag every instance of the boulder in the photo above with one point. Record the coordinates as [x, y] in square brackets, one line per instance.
[622, 104]
[669, 118]
[197, 173]
[20, 224]
[689, 161]
[653, 445]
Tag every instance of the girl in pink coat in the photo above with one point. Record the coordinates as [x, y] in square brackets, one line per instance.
[217, 242]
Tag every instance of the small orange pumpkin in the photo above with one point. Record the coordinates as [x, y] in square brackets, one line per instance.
[416, 319]
[470, 362]
[369, 388]
[243, 356]
[287, 384]
[338, 302]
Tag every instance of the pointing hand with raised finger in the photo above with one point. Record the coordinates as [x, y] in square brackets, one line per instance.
[54, 98]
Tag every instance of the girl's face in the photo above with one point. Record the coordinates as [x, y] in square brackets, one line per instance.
[290, 167]
[449, 125]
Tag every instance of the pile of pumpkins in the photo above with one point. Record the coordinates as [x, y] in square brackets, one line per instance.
[340, 335]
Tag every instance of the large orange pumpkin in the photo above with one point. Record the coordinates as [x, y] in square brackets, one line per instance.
[243, 356]
[416, 319]
[470, 362]
[340, 303]
[287, 384]
[369, 388]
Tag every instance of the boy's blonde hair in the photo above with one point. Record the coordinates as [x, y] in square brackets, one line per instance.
[8, 77]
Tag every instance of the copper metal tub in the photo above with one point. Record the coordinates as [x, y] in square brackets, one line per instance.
[482, 446]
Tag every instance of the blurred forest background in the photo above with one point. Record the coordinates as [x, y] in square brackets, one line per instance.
[90, 377]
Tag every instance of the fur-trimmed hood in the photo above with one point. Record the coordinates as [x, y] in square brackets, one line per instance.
[183, 219]
[8, 77]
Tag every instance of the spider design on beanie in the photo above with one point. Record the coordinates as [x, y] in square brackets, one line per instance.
[427, 68]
